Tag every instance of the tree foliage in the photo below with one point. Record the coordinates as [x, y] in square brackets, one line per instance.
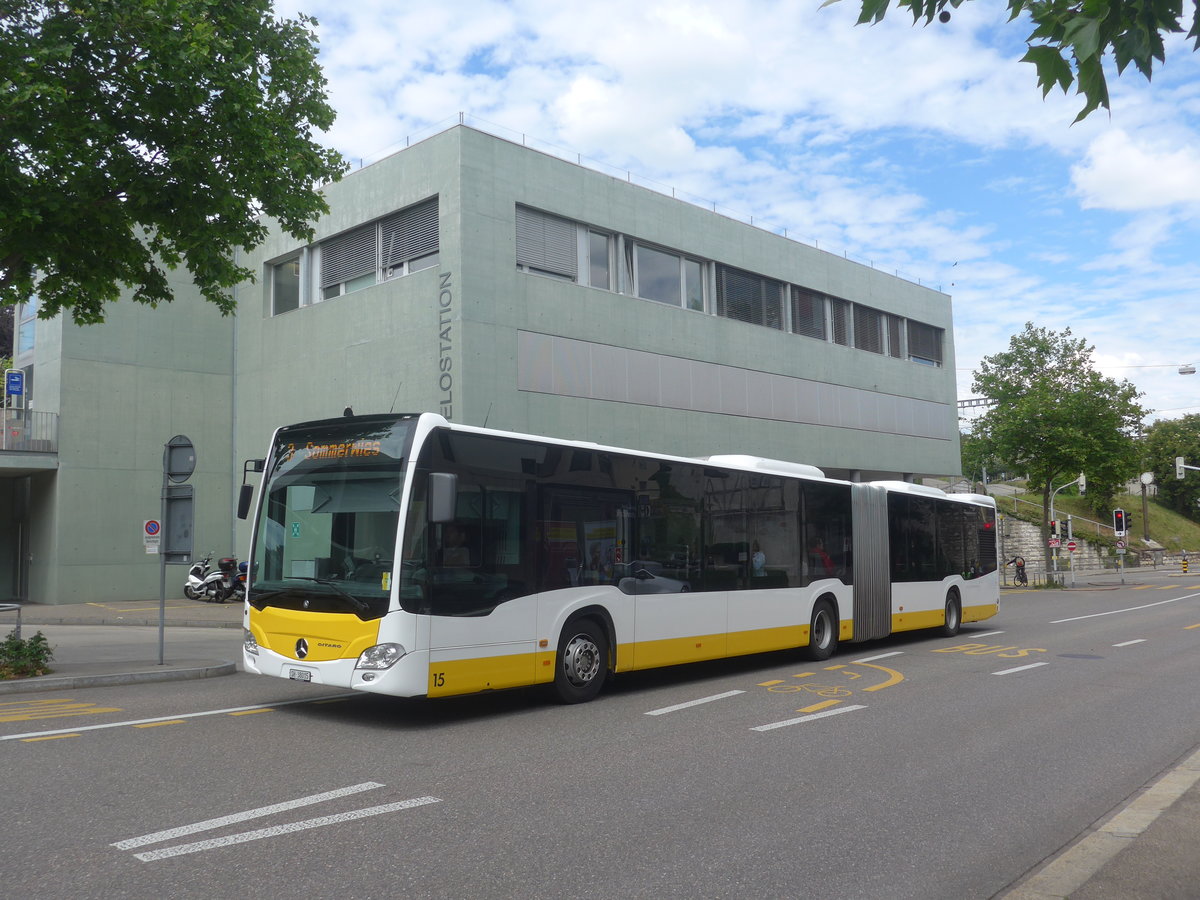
[1056, 416]
[1165, 440]
[1070, 38]
[139, 135]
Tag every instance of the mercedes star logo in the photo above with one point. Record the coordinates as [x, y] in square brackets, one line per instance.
[301, 648]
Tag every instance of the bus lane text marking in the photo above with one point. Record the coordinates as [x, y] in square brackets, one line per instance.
[1001, 651]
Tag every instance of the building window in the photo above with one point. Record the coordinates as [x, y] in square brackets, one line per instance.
[599, 260]
[693, 284]
[664, 276]
[808, 313]
[749, 298]
[547, 244]
[924, 344]
[285, 285]
[658, 276]
[409, 240]
[895, 333]
[868, 329]
[398, 245]
[839, 317]
[27, 326]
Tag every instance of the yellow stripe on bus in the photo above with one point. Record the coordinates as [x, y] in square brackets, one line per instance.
[487, 673]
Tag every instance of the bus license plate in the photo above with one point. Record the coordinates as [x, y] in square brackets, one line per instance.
[299, 674]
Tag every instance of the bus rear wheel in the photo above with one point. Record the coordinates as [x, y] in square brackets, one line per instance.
[582, 664]
[953, 615]
[822, 632]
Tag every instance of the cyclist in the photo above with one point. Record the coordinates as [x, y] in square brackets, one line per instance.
[1019, 563]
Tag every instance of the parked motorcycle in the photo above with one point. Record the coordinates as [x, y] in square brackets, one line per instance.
[194, 588]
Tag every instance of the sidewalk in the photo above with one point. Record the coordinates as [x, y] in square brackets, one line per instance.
[1149, 849]
[199, 640]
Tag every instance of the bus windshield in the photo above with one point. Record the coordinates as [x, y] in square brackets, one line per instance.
[326, 534]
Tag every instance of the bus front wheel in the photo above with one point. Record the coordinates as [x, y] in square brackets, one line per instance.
[582, 664]
[822, 632]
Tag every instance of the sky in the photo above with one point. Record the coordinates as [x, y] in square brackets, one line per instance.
[925, 151]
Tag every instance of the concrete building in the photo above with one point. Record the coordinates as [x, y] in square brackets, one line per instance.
[495, 284]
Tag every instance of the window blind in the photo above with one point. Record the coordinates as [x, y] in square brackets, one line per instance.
[546, 243]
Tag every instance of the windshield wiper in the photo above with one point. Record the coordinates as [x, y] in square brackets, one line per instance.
[360, 605]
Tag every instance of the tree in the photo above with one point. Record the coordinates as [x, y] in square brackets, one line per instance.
[1165, 440]
[7, 331]
[1056, 416]
[148, 133]
[1070, 38]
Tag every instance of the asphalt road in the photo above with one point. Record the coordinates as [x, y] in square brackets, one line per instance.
[917, 767]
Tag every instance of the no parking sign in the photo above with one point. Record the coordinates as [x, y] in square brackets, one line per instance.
[151, 535]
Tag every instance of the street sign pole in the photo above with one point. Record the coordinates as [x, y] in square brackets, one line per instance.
[179, 461]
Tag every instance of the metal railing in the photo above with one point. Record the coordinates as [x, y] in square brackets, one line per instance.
[1100, 527]
[28, 431]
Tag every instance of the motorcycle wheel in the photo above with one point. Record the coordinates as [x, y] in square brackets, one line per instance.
[191, 593]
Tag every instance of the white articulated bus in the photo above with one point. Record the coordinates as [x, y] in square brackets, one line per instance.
[405, 555]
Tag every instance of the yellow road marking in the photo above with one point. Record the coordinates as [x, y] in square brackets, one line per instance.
[156, 724]
[802, 675]
[769, 683]
[51, 709]
[250, 712]
[39, 704]
[893, 679]
[1147, 587]
[50, 737]
[819, 706]
[1190, 627]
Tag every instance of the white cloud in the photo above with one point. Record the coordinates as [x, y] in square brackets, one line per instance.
[1125, 173]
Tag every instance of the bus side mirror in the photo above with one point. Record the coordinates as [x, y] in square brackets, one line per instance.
[443, 496]
[245, 497]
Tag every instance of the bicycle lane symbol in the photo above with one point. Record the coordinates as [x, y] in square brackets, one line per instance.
[833, 693]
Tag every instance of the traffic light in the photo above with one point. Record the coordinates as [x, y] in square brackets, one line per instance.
[1119, 522]
[1179, 472]
[1053, 528]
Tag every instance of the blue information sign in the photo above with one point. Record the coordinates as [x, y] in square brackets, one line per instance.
[14, 383]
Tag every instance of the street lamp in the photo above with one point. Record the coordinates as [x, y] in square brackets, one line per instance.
[1187, 369]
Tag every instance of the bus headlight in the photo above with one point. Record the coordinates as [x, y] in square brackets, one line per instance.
[249, 644]
[381, 656]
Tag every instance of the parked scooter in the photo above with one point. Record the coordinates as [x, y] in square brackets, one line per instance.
[228, 582]
[194, 588]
